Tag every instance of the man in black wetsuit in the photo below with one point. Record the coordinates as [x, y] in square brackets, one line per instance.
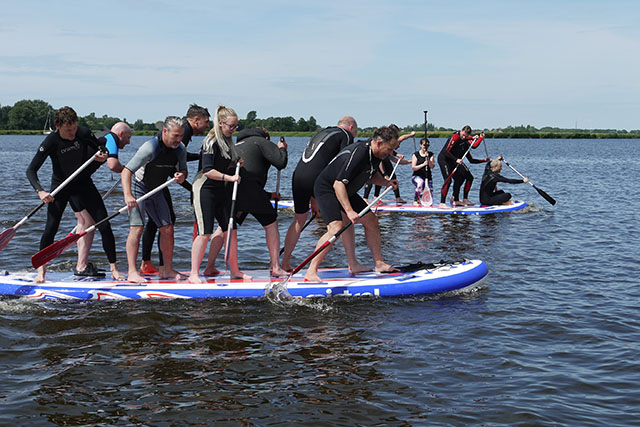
[336, 191]
[259, 154]
[69, 147]
[320, 150]
[197, 121]
[489, 193]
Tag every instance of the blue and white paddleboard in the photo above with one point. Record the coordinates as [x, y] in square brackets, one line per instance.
[425, 280]
[392, 206]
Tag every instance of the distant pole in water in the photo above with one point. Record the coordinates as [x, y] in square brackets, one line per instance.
[425, 124]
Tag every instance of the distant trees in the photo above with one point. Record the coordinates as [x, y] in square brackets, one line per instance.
[278, 124]
[25, 114]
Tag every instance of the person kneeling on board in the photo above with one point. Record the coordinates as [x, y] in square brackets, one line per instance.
[489, 193]
[336, 191]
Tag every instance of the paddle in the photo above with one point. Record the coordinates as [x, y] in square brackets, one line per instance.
[313, 216]
[231, 216]
[547, 197]
[281, 287]
[55, 249]
[8, 234]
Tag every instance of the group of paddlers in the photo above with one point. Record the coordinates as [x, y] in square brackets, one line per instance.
[229, 185]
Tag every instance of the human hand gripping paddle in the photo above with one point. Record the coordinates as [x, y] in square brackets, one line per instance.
[8, 234]
[231, 216]
[547, 197]
[280, 288]
[55, 249]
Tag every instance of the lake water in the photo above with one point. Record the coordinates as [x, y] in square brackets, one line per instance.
[553, 338]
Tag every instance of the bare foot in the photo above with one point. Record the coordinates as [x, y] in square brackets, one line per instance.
[172, 274]
[287, 267]
[195, 279]
[383, 267]
[117, 276]
[39, 278]
[278, 272]
[467, 202]
[211, 271]
[312, 277]
[134, 277]
[240, 275]
[417, 204]
[358, 268]
[443, 206]
[458, 204]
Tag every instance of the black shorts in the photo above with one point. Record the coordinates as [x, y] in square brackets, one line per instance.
[302, 189]
[331, 209]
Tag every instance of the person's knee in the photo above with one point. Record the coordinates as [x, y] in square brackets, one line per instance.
[166, 230]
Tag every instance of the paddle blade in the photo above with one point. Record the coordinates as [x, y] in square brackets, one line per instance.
[426, 199]
[54, 250]
[6, 237]
[547, 197]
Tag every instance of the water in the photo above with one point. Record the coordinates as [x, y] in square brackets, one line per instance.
[551, 340]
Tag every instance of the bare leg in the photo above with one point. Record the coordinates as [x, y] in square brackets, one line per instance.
[214, 249]
[166, 246]
[291, 239]
[349, 243]
[84, 243]
[234, 270]
[133, 244]
[272, 236]
[40, 276]
[372, 234]
[198, 248]
[312, 271]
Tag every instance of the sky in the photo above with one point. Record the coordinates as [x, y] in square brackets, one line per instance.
[488, 64]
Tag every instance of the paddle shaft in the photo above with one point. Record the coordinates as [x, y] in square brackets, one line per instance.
[547, 197]
[52, 251]
[345, 227]
[425, 124]
[278, 186]
[231, 215]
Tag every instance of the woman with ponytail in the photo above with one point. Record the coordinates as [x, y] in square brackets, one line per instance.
[210, 199]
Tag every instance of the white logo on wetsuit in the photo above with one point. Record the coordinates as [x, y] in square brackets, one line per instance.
[75, 146]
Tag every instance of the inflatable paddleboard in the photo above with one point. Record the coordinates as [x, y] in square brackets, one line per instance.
[392, 206]
[418, 279]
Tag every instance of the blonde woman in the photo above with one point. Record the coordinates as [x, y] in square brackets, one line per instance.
[210, 199]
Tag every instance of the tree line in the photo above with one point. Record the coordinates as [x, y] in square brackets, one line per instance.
[34, 115]
[37, 114]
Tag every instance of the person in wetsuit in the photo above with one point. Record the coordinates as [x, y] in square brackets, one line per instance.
[197, 121]
[320, 150]
[450, 157]
[69, 147]
[387, 167]
[153, 163]
[422, 162]
[489, 193]
[211, 201]
[258, 154]
[336, 191]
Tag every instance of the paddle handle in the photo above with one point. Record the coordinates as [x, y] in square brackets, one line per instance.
[345, 227]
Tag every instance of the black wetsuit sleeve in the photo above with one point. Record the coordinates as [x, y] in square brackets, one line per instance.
[472, 160]
[500, 178]
[36, 163]
[278, 157]
[192, 156]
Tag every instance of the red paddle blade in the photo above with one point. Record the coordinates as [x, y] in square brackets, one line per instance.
[54, 250]
[6, 237]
